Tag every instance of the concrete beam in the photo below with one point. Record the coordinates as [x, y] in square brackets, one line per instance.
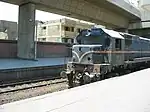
[26, 32]
[117, 6]
[84, 10]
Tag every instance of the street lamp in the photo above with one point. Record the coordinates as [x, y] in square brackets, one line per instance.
[145, 4]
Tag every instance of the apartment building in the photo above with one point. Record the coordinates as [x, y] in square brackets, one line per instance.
[62, 30]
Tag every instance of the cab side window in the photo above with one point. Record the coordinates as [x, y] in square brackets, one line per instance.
[107, 42]
[118, 44]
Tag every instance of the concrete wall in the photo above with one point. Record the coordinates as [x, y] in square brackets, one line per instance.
[50, 49]
[8, 49]
[14, 75]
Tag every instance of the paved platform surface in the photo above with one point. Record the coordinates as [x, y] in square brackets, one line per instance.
[130, 93]
[18, 63]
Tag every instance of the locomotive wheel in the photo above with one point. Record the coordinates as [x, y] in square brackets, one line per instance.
[75, 79]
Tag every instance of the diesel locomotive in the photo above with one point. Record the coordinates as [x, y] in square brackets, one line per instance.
[98, 52]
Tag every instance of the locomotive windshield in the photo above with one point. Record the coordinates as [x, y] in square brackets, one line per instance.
[94, 36]
[91, 40]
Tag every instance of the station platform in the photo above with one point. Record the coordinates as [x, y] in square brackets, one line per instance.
[39, 62]
[129, 93]
[14, 70]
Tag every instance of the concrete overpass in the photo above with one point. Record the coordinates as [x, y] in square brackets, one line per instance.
[111, 13]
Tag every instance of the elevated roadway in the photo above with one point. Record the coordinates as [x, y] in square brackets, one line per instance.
[128, 93]
[111, 13]
[114, 13]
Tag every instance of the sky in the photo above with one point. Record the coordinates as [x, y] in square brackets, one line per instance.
[9, 12]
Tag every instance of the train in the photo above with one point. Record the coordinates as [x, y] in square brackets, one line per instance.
[98, 52]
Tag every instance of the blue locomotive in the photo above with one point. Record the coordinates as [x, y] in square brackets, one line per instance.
[99, 51]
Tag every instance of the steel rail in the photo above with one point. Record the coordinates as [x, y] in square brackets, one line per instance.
[20, 82]
[36, 86]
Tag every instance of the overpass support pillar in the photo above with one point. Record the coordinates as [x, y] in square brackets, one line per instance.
[26, 32]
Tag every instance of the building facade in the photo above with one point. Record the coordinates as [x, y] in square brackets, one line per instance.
[145, 17]
[143, 28]
[60, 30]
[8, 30]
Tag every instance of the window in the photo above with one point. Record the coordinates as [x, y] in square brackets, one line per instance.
[44, 39]
[67, 40]
[44, 28]
[67, 28]
[107, 42]
[64, 40]
[128, 42]
[58, 39]
[79, 30]
[72, 29]
[118, 44]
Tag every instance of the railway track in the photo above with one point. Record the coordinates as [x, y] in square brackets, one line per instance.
[27, 89]
[20, 82]
[20, 86]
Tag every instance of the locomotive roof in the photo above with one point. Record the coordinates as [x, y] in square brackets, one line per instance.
[135, 36]
[123, 33]
[97, 31]
[144, 38]
[113, 33]
[127, 35]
